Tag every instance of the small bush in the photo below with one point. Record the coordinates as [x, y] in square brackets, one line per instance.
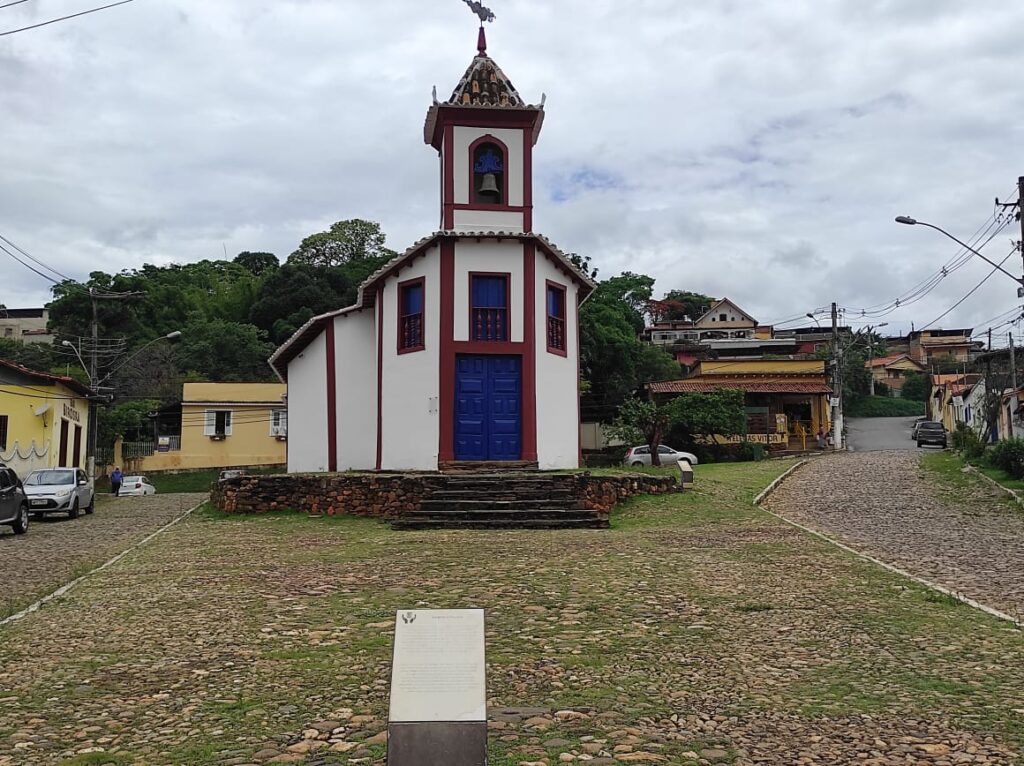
[967, 443]
[1008, 455]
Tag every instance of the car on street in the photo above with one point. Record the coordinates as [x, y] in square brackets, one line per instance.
[917, 424]
[13, 503]
[136, 486]
[637, 456]
[59, 490]
[931, 432]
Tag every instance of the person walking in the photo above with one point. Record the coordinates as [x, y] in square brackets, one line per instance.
[821, 437]
[115, 482]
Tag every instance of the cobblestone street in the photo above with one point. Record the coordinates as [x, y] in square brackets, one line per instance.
[969, 538]
[58, 549]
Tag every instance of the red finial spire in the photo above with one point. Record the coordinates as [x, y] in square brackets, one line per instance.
[481, 42]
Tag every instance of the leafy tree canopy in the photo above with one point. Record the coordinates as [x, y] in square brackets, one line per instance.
[346, 241]
[225, 351]
[257, 263]
[679, 304]
[916, 387]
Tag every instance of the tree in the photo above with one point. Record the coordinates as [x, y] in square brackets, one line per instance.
[225, 351]
[916, 387]
[346, 241]
[257, 263]
[127, 419]
[945, 364]
[680, 304]
[688, 416]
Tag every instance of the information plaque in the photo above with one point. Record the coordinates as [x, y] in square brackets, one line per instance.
[438, 711]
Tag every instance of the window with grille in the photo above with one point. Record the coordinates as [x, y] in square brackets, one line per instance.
[556, 318]
[410, 316]
[217, 423]
[279, 422]
[489, 307]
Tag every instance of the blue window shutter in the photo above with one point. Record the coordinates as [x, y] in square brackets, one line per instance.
[412, 300]
[489, 292]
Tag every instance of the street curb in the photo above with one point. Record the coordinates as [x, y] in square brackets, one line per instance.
[890, 567]
[767, 491]
[1011, 492]
[68, 586]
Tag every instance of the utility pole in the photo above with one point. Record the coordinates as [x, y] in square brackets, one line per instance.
[837, 382]
[871, 368]
[1013, 365]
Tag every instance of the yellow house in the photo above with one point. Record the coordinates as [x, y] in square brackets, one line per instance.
[223, 425]
[786, 400]
[44, 419]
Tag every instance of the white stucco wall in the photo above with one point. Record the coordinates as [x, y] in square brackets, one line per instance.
[487, 220]
[307, 408]
[512, 138]
[488, 255]
[411, 381]
[355, 340]
[558, 427]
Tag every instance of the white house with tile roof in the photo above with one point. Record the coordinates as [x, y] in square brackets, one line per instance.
[463, 349]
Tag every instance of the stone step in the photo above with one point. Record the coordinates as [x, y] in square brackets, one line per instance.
[544, 512]
[494, 504]
[455, 495]
[486, 466]
[412, 522]
[481, 485]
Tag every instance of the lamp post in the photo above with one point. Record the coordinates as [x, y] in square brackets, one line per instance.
[96, 385]
[908, 221]
[809, 315]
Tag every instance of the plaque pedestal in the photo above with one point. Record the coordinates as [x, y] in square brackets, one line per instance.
[438, 714]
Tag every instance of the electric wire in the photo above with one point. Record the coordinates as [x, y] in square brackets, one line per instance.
[65, 18]
[970, 292]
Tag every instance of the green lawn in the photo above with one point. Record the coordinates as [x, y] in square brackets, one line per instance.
[950, 465]
[697, 623]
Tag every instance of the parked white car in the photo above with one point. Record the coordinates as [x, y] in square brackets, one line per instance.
[59, 490]
[666, 455]
[136, 486]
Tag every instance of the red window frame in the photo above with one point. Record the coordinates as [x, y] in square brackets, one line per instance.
[555, 326]
[505, 319]
[406, 327]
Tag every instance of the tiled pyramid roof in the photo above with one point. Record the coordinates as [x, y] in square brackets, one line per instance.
[484, 84]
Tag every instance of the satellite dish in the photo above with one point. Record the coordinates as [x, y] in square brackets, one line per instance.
[42, 409]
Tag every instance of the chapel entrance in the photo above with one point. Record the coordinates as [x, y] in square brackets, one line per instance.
[488, 407]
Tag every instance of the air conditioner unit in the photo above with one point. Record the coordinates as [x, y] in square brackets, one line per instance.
[216, 437]
[282, 437]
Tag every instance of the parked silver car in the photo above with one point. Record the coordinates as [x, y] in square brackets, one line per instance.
[59, 490]
[13, 503]
[666, 455]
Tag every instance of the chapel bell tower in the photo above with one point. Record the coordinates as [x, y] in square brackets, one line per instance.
[485, 135]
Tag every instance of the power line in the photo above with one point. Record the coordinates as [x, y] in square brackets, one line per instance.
[971, 291]
[65, 18]
[16, 2]
[35, 260]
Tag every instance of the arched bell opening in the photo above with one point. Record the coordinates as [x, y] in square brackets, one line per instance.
[488, 174]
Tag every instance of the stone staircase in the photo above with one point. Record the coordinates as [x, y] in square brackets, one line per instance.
[502, 501]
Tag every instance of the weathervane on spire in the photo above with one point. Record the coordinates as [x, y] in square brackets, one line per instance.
[485, 13]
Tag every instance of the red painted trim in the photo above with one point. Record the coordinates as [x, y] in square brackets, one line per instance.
[422, 281]
[508, 303]
[529, 383]
[332, 399]
[448, 154]
[486, 347]
[565, 318]
[475, 117]
[528, 179]
[446, 396]
[498, 208]
[380, 375]
[487, 138]
[579, 414]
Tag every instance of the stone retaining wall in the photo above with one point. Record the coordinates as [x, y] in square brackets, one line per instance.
[390, 494]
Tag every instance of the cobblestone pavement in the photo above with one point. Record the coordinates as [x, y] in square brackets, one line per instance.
[57, 549]
[698, 630]
[969, 538]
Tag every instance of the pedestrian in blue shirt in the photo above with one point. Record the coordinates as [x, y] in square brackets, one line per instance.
[115, 481]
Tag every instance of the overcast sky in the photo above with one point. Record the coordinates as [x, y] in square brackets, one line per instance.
[755, 150]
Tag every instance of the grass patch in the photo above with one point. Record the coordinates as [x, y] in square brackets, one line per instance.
[98, 759]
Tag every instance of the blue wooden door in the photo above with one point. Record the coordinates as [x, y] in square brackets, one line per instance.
[488, 407]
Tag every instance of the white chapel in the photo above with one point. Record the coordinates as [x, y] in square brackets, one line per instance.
[464, 349]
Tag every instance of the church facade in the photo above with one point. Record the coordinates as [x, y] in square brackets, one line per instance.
[464, 348]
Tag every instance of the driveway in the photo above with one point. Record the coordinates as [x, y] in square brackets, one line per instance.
[57, 549]
[967, 537]
[867, 434]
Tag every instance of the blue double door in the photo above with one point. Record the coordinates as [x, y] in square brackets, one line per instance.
[488, 407]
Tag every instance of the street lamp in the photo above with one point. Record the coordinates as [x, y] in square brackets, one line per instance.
[908, 221]
[809, 315]
[96, 385]
[73, 347]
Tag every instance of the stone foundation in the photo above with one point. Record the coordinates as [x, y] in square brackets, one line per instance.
[388, 495]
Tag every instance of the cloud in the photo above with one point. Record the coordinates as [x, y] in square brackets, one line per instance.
[758, 151]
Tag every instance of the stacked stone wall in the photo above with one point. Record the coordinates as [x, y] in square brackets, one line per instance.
[388, 495]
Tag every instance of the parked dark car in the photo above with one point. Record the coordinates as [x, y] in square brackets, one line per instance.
[13, 503]
[917, 424]
[931, 432]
